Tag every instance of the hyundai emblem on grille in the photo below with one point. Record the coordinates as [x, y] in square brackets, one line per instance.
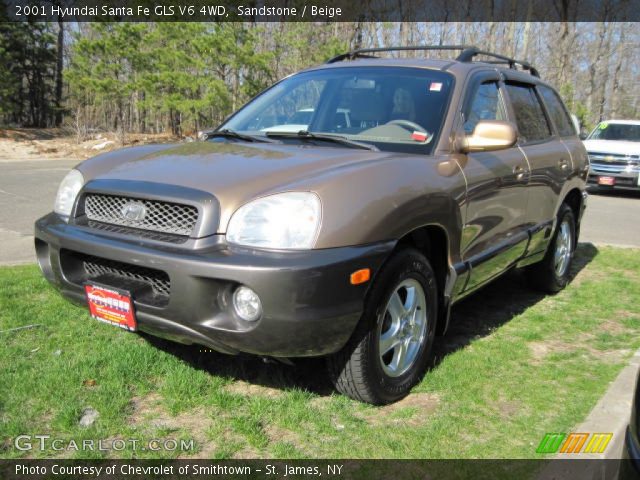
[133, 211]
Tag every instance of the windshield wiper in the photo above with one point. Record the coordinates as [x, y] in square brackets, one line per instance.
[227, 133]
[304, 134]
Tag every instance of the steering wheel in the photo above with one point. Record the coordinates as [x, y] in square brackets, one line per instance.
[407, 125]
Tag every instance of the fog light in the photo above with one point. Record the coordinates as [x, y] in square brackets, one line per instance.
[247, 304]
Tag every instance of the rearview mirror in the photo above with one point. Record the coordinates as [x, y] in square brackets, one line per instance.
[490, 135]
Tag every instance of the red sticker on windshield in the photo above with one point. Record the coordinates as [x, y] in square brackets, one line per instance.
[419, 136]
[435, 86]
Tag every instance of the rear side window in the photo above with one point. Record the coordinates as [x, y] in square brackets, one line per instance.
[532, 123]
[485, 105]
[557, 111]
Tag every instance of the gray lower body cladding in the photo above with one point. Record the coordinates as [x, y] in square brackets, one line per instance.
[309, 306]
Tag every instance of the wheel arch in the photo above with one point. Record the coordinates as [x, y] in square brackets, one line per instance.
[575, 200]
[434, 242]
[432, 224]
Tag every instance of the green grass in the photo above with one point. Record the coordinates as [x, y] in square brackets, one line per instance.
[514, 366]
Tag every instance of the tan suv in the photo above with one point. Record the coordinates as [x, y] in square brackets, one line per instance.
[345, 239]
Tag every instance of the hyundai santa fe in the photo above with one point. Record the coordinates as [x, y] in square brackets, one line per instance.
[347, 237]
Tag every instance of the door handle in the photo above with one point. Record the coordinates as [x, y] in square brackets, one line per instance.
[519, 172]
[563, 164]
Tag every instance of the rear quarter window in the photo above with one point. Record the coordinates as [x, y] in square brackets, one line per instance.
[530, 118]
[557, 111]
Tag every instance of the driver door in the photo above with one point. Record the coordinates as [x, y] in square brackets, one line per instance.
[495, 230]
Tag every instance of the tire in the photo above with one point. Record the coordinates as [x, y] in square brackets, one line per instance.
[359, 370]
[549, 275]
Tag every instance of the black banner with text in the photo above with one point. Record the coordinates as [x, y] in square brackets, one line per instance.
[559, 469]
[321, 11]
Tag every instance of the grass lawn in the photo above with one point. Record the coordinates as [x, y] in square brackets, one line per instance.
[514, 366]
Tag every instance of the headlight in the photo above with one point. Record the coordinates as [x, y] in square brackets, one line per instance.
[67, 193]
[285, 220]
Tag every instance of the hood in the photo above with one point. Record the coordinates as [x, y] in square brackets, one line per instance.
[234, 172]
[617, 147]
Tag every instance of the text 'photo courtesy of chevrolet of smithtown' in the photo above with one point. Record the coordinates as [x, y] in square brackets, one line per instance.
[296, 239]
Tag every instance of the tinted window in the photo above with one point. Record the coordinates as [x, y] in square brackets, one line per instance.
[557, 111]
[486, 105]
[532, 124]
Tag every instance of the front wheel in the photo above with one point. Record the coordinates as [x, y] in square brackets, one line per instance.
[392, 345]
[552, 274]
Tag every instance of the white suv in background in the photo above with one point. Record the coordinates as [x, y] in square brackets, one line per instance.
[614, 153]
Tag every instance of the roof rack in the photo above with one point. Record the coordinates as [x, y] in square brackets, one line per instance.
[467, 55]
[362, 52]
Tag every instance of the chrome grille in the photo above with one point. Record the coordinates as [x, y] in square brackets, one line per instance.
[614, 158]
[158, 280]
[159, 216]
[614, 163]
[604, 168]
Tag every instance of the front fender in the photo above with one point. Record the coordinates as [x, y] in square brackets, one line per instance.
[382, 201]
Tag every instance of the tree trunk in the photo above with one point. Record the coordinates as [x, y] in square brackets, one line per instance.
[526, 34]
[593, 68]
[121, 117]
[617, 90]
[602, 93]
[59, 67]
[356, 40]
[143, 114]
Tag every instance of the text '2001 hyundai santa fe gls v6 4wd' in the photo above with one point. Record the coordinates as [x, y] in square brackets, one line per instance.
[414, 183]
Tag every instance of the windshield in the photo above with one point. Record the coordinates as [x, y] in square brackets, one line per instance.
[393, 108]
[616, 131]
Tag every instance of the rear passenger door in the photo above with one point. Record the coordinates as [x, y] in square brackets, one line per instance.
[565, 130]
[548, 158]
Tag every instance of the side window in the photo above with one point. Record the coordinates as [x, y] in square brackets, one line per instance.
[557, 111]
[485, 105]
[530, 118]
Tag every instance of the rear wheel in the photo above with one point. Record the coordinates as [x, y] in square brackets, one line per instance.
[552, 274]
[392, 345]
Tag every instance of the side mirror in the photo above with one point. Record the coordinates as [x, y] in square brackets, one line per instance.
[490, 135]
[583, 136]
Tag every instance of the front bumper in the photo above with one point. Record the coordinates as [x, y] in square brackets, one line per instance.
[628, 180]
[309, 306]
